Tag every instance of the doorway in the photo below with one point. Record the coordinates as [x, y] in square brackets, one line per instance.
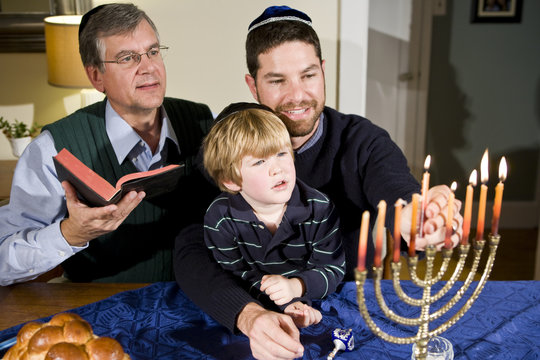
[399, 44]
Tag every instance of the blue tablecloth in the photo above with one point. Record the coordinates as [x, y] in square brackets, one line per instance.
[159, 322]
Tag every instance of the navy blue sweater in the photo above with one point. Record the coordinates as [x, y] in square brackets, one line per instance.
[356, 164]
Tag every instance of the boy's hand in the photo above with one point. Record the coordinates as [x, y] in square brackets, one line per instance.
[303, 315]
[280, 289]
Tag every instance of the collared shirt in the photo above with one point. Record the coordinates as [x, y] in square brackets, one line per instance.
[31, 242]
[128, 144]
[314, 138]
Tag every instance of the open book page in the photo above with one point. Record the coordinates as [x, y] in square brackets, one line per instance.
[98, 191]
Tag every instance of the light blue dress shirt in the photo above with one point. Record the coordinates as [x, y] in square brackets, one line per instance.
[31, 242]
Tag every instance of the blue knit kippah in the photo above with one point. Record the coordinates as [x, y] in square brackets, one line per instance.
[278, 13]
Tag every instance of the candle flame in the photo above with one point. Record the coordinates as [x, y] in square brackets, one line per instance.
[502, 169]
[427, 163]
[453, 187]
[473, 178]
[484, 173]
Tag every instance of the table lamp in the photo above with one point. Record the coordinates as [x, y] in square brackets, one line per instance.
[65, 68]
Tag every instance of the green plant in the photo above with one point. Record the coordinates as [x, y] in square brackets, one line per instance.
[17, 129]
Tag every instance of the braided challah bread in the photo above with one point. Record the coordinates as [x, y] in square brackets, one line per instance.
[65, 337]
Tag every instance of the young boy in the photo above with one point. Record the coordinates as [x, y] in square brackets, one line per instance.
[273, 231]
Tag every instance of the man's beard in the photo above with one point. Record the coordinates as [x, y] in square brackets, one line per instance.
[299, 128]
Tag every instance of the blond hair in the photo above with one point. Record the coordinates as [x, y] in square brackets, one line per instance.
[254, 132]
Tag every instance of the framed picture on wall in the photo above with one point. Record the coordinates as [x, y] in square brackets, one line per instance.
[496, 11]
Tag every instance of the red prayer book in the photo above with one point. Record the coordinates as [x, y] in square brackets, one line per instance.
[97, 191]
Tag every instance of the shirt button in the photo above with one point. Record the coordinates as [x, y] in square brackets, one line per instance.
[61, 253]
[31, 271]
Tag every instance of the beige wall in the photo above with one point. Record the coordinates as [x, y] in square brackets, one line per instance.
[24, 80]
[205, 63]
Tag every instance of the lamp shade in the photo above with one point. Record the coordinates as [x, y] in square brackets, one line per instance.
[64, 63]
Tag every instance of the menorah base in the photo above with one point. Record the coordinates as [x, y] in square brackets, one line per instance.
[438, 348]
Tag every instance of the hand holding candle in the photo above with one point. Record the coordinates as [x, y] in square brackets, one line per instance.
[380, 232]
[498, 198]
[362, 243]
[468, 208]
[450, 217]
[483, 194]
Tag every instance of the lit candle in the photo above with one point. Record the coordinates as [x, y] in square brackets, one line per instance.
[362, 244]
[468, 208]
[397, 229]
[450, 216]
[412, 241]
[425, 189]
[498, 198]
[483, 194]
[380, 232]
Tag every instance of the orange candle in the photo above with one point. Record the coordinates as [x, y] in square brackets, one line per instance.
[468, 208]
[498, 198]
[483, 194]
[412, 241]
[397, 229]
[362, 244]
[450, 217]
[425, 189]
[380, 232]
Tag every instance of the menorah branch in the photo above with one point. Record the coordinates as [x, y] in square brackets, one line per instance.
[360, 296]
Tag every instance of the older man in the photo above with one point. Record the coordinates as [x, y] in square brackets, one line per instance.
[134, 129]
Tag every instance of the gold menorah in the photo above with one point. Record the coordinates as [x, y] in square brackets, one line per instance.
[427, 316]
[423, 335]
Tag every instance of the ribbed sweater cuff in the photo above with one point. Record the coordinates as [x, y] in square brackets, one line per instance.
[233, 300]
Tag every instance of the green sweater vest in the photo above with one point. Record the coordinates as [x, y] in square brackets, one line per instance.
[140, 250]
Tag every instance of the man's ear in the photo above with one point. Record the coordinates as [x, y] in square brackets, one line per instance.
[250, 81]
[232, 186]
[96, 77]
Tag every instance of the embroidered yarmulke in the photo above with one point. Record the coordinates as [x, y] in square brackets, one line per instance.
[279, 13]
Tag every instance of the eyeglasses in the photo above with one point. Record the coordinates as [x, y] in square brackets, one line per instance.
[132, 59]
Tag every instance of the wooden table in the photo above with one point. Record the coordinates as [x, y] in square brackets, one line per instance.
[29, 301]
